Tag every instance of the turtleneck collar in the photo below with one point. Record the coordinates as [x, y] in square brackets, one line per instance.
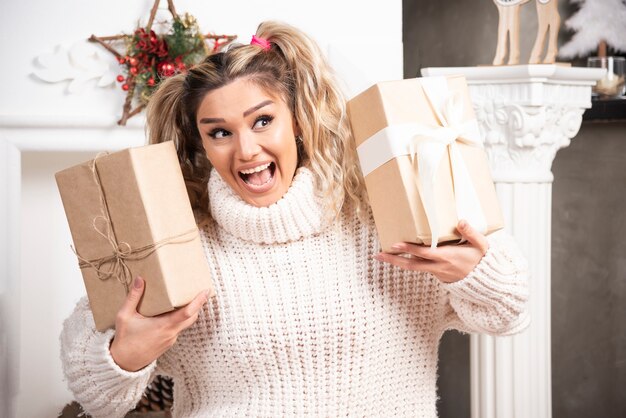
[299, 213]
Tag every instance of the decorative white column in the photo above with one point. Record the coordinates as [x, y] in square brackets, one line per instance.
[527, 113]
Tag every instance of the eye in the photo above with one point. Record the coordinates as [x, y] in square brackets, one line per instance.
[219, 133]
[262, 121]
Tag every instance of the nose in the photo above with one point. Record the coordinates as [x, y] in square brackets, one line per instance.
[248, 146]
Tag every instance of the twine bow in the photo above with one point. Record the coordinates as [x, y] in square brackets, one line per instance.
[115, 265]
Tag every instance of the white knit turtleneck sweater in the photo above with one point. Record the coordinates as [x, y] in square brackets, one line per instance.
[305, 322]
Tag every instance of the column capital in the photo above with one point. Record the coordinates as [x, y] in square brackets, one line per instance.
[526, 113]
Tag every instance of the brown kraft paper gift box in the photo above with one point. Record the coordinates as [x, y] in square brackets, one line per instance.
[151, 225]
[394, 188]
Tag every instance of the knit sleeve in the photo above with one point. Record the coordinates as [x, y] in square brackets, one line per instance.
[101, 387]
[493, 298]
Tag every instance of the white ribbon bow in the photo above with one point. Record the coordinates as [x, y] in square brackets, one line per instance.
[426, 145]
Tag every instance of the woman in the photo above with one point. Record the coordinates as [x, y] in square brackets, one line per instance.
[309, 318]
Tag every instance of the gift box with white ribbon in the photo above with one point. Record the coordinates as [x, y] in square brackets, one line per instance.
[422, 156]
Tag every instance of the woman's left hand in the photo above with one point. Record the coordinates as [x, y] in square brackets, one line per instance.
[449, 263]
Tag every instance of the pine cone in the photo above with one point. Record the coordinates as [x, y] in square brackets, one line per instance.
[158, 396]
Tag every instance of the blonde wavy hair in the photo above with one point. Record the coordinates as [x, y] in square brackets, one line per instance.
[294, 69]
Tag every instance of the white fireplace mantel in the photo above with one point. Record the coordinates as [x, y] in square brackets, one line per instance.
[526, 113]
[22, 316]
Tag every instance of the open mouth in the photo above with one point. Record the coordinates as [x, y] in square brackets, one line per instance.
[258, 176]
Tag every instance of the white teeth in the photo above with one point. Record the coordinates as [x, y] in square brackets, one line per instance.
[255, 169]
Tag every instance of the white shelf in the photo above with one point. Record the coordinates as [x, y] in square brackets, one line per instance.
[546, 73]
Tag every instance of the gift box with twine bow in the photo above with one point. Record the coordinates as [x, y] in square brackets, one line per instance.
[421, 153]
[129, 215]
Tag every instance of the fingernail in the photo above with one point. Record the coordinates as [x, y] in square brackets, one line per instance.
[377, 257]
[462, 224]
[137, 283]
[396, 246]
[206, 294]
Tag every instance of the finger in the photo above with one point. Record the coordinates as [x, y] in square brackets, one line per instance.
[473, 236]
[420, 251]
[405, 263]
[187, 323]
[134, 296]
[192, 308]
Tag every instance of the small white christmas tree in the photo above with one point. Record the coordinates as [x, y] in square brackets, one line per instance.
[597, 23]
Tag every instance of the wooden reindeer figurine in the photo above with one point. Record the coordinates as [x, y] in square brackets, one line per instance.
[508, 27]
[549, 21]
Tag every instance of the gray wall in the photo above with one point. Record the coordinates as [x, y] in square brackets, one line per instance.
[589, 274]
[588, 226]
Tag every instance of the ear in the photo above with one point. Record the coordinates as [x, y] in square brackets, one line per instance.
[296, 128]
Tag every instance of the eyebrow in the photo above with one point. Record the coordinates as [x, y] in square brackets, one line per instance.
[212, 120]
[257, 107]
[246, 113]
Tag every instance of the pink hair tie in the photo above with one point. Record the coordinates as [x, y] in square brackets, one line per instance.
[263, 43]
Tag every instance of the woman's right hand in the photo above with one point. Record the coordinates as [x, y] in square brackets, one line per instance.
[139, 340]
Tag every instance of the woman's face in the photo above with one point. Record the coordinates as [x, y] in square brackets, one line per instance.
[249, 137]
